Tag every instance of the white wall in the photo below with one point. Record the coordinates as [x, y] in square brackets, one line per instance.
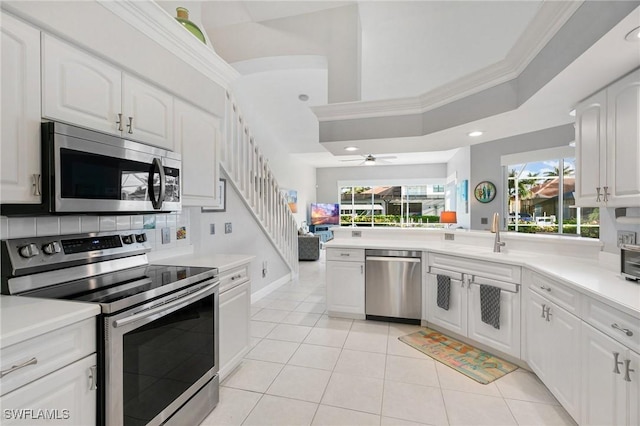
[460, 165]
[327, 178]
[246, 238]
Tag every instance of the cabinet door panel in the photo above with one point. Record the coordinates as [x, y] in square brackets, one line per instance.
[67, 394]
[507, 337]
[455, 318]
[345, 287]
[591, 121]
[197, 138]
[20, 137]
[151, 110]
[234, 327]
[604, 393]
[634, 388]
[623, 141]
[78, 88]
[538, 335]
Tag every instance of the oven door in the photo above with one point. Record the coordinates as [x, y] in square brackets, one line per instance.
[112, 175]
[160, 355]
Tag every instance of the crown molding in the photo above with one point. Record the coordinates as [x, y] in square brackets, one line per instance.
[154, 22]
[551, 16]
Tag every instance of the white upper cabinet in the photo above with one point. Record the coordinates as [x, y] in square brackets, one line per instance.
[80, 89]
[20, 129]
[608, 146]
[197, 138]
[623, 141]
[147, 113]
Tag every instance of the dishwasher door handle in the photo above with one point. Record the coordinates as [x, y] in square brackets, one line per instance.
[394, 259]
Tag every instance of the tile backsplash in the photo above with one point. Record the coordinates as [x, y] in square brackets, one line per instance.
[40, 226]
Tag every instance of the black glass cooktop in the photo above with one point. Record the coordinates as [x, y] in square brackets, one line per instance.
[133, 283]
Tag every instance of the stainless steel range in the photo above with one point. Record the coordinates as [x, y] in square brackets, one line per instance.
[158, 331]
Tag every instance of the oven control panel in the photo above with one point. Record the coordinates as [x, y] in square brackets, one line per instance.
[37, 252]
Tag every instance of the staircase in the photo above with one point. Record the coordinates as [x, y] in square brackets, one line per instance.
[248, 172]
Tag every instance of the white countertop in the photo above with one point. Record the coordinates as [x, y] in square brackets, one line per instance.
[23, 318]
[223, 262]
[586, 276]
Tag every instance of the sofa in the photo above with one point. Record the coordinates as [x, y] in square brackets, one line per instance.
[308, 247]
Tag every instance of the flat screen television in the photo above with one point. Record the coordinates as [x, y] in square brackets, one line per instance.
[325, 214]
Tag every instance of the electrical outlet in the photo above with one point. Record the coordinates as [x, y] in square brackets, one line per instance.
[227, 228]
[356, 233]
[626, 237]
[484, 221]
[449, 237]
[166, 235]
[212, 228]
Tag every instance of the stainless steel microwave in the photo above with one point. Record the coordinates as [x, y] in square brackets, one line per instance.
[88, 172]
[630, 262]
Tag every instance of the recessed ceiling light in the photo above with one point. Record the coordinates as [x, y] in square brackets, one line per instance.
[351, 148]
[633, 35]
[303, 97]
[572, 144]
[475, 133]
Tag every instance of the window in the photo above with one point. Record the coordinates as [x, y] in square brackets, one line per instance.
[541, 200]
[404, 205]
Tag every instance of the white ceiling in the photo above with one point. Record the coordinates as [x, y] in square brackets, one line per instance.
[408, 48]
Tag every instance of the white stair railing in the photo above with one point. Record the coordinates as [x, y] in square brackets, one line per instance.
[249, 173]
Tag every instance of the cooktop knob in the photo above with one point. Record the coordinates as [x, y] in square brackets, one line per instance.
[127, 239]
[141, 238]
[51, 248]
[28, 251]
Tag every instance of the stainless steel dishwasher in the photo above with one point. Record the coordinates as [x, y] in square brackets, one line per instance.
[393, 285]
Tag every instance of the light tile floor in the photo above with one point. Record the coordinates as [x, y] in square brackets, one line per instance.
[305, 368]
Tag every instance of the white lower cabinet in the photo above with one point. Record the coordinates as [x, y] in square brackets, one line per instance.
[235, 314]
[553, 349]
[65, 397]
[454, 318]
[611, 390]
[345, 283]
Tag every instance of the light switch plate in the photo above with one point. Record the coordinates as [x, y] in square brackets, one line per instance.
[356, 233]
[227, 228]
[166, 235]
[449, 237]
[626, 237]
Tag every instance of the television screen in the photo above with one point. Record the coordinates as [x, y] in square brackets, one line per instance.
[325, 214]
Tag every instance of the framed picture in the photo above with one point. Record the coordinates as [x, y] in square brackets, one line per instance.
[222, 198]
[291, 195]
[485, 191]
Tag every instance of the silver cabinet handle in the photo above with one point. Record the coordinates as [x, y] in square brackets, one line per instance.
[235, 277]
[616, 363]
[37, 190]
[624, 330]
[344, 254]
[543, 310]
[32, 361]
[130, 126]
[119, 122]
[548, 313]
[361, 269]
[598, 194]
[606, 193]
[542, 287]
[93, 377]
[627, 370]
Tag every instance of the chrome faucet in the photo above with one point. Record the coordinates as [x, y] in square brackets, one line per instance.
[495, 228]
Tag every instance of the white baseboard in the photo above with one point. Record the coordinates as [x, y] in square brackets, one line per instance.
[270, 288]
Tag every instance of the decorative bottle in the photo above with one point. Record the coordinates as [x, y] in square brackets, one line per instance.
[183, 18]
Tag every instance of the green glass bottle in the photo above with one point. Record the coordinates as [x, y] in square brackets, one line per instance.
[183, 18]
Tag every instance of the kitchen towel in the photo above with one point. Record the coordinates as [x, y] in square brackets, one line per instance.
[490, 305]
[444, 291]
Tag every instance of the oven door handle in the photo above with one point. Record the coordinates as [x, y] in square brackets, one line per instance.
[165, 308]
[157, 202]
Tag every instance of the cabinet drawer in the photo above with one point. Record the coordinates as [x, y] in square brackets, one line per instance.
[233, 277]
[498, 271]
[346, 255]
[552, 290]
[51, 351]
[613, 323]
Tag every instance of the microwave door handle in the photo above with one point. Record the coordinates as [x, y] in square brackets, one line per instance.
[157, 202]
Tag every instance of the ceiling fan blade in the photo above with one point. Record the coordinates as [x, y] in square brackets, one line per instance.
[386, 157]
[355, 159]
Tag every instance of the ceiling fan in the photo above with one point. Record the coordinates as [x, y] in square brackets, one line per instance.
[371, 160]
